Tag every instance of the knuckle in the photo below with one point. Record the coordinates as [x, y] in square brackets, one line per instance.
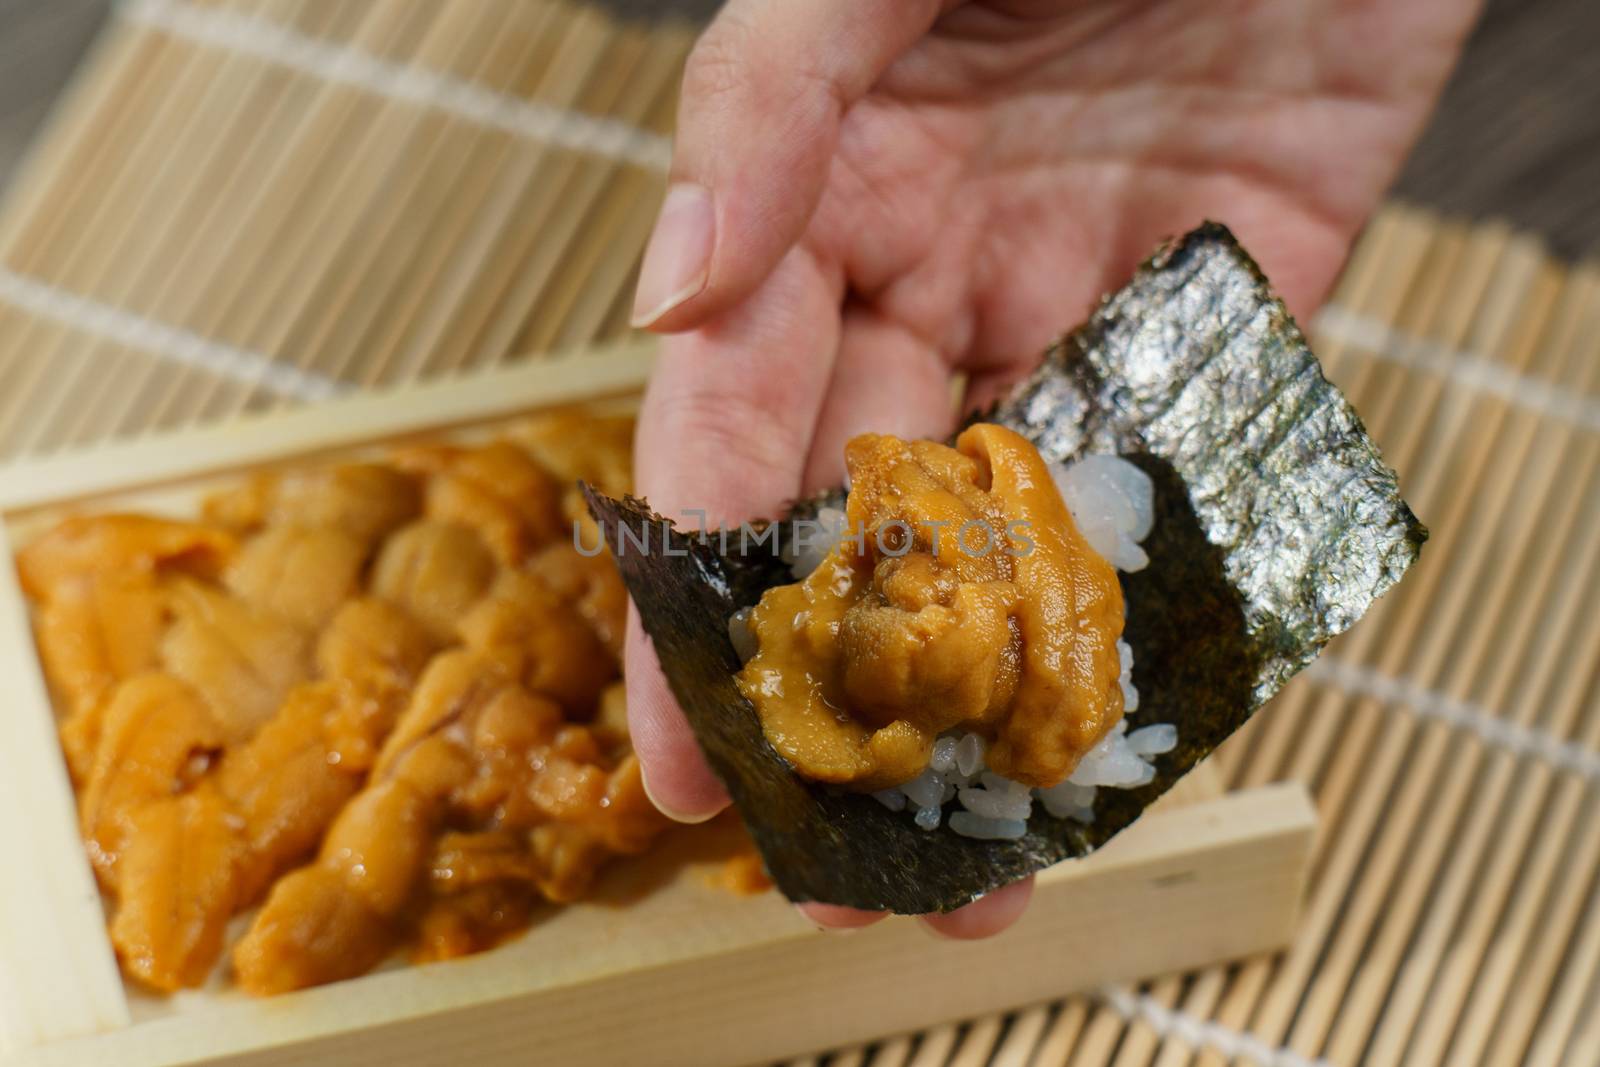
[719, 63]
[734, 62]
[712, 426]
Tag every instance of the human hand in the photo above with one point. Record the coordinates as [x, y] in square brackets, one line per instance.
[869, 198]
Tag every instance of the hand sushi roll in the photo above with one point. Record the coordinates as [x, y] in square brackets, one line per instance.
[960, 641]
[906, 726]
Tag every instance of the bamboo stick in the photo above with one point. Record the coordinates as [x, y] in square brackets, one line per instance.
[1419, 652]
[296, 211]
[354, 205]
[1015, 1047]
[620, 272]
[105, 153]
[112, 233]
[241, 161]
[569, 307]
[511, 215]
[894, 1052]
[1386, 269]
[87, 108]
[619, 320]
[934, 1046]
[1408, 851]
[1495, 985]
[1101, 1032]
[416, 343]
[1513, 684]
[1490, 888]
[99, 151]
[1140, 1041]
[1273, 1018]
[977, 1044]
[853, 1057]
[1062, 1036]
[195, 152]
[1404, 254]
[1554, 881]
[181, 279]
[398, 275]
[1564, 1011]
[573, 256]
[505, 226]
[1199, 1001]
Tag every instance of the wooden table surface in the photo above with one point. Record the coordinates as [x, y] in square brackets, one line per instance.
[1517, 135]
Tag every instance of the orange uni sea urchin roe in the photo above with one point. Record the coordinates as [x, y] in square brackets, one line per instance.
[381, 700]
[962, 596]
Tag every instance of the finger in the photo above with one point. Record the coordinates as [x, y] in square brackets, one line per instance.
[673, 768]
[985, 916]
[724, 430]
[885, 380]
[764, 92]
[834, 917]
[730, 410]
[987, 387]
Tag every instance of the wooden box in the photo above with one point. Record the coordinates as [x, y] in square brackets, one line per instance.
[664, 966]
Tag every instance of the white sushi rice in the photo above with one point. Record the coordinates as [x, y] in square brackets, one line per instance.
[997, 808]
[1113, 504]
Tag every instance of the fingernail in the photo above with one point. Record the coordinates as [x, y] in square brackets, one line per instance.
[677, 262]
[675, 816]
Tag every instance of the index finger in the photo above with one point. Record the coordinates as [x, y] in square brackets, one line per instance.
[725, 429]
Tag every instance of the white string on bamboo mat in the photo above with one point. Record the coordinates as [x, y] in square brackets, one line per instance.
[1429, 704]
[347, 65]
[1464, 368]
[1197, 1032]
[164, 342]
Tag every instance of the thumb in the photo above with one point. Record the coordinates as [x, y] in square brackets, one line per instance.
[764, 92]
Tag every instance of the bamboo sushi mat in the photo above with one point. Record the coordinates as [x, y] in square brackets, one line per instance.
[252, 203]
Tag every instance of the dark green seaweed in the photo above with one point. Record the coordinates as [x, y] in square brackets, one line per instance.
[1277, 525]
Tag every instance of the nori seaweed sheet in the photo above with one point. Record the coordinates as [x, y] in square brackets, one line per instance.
[1277, 525]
